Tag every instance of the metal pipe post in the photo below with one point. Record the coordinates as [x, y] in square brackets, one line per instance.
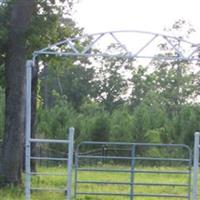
[76, 174]
[196, 165]
[29, 65]
[70, 162]
[132, 172]
[190, 175]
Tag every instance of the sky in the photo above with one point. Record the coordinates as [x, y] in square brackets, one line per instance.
[146, 15]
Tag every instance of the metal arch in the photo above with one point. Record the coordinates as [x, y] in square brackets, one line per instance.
[68, 47]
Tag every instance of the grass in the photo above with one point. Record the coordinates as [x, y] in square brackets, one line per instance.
[13, 193]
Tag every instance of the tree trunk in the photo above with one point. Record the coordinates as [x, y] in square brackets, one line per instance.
[12, 154]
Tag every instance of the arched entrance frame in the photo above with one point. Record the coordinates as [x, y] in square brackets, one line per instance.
[69, 48]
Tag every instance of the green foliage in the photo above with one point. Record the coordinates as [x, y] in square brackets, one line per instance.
[189, 123]
[110, 84]
[156, 110]
[3, 41]
[74, 81]
[141, 123]
[154, 135]
[121, 125]
[94, 122]
[55, 122]
[100, 127]
[143, 83]
[51, 23]
[149, 122]
[2, 76]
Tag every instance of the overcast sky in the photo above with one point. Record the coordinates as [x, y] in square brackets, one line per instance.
[148, 15]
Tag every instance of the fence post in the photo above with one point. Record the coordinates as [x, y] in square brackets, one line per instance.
[29, 64]
[196, 165]
[70, 162]
[132, 172]
[76, 173]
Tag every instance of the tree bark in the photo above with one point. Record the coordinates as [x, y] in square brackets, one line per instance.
[12, 153]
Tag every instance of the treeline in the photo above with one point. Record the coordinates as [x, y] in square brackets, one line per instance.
[112, 99]
[116, 100]
[147, 123]
[105, 104]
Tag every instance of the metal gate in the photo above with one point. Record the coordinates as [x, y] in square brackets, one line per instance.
[67, 188]
[131, 171]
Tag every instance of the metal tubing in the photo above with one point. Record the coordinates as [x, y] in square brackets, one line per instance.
[173, 46]
[72, 46]
[135, 171]
[190, 176]
[47, 174]
[136, 158]
[135, 183]
[47, 158]
[120, 43]
[54, 49]
[146, 45]
[49, 141]
[136, 144]
[28, 129]
[163, 159]
[128, 31]
[76, 174]
[196, 165]
[103, 170]
[50, 189]
[91, 44]
[132, 173]
[103, 194]
[105, 157]
[136, 195]
[119, 55]
[70, 163]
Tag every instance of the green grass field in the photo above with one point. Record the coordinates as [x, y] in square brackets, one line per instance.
[60, 181]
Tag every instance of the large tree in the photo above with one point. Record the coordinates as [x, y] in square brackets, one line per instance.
[19, 20]
[30, 24]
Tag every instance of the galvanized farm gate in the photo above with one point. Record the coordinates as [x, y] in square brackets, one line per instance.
[68, 159]
[135, 170]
